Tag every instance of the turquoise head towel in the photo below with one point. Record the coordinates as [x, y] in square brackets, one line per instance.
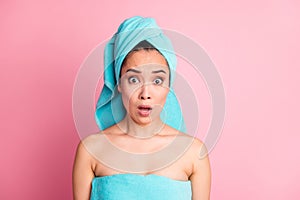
[139, 187]
[110, 109]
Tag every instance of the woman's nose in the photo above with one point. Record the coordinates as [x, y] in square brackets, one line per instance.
[145, 92]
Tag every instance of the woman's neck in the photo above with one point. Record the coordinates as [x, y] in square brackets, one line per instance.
[130, 127]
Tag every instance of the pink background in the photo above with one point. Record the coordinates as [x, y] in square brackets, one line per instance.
[254, 45]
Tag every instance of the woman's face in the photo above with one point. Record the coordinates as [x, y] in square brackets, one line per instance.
[144, 85]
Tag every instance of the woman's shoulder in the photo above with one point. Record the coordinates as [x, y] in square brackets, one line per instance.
[196, 145]
[97, 140]
[85, 145]
[172, 131]
[96, 136]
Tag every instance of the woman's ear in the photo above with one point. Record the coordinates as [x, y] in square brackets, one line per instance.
[119, 88]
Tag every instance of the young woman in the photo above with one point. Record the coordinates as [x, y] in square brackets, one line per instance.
[140, 154]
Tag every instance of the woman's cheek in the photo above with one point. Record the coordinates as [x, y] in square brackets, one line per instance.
[163, 96]
[128, 98]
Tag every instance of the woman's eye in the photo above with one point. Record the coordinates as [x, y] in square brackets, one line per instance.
[133, 80]
[158, 81]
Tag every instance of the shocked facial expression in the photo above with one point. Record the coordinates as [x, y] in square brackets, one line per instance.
[144, 85]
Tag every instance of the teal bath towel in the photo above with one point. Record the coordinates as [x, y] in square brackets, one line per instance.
[139, 187]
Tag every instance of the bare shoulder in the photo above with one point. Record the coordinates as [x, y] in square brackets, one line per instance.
[168, 130]
[197, 149]
[97, 138]
[98, 143]
[198, 144]
[89, 140]
[95, 143]
[83, 148]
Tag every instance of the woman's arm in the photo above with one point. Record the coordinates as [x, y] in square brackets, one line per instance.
[82, 174]
[201, 175]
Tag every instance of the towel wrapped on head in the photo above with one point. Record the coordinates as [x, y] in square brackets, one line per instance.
[110, 109]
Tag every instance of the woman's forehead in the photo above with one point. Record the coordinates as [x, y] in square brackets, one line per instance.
[145, 56]
[145, 60]
[153, 68]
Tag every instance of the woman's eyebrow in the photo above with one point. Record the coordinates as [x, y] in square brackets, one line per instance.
[158, 71]
[133, 70]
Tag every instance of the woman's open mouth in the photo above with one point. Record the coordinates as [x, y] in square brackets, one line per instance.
[144, 110]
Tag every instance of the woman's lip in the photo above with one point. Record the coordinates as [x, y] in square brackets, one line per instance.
[142, 107]
[144, 110]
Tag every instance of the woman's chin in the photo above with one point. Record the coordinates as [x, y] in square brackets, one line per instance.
[143, 121]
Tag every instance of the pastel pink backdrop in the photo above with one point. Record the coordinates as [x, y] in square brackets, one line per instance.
[255, 47]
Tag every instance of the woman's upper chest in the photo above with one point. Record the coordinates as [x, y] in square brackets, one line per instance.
[177, 168]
